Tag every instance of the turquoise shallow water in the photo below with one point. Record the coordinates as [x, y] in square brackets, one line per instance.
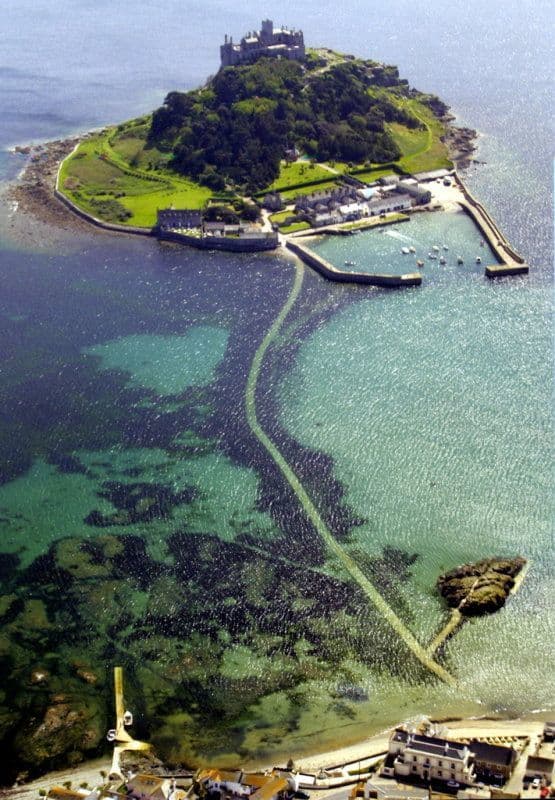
[380, 250]
[434, 405]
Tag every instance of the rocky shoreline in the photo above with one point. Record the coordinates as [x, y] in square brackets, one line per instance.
[460, 142]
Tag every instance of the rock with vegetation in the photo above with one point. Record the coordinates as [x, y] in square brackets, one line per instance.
[482, 587]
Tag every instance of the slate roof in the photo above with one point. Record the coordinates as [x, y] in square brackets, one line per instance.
[491, 752]
[541, 765]
[437, 747]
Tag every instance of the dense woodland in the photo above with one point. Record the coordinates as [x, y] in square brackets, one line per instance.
[236, 129]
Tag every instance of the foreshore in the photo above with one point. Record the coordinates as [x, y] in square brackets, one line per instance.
[457, 728]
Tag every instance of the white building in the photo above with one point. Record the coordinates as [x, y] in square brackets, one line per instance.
[393, 202]
[428, 758]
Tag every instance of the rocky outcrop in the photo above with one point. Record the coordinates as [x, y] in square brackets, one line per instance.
[480, 588]
[67, 726]
[461, 143]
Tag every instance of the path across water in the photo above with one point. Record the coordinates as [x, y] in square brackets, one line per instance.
[310, 509]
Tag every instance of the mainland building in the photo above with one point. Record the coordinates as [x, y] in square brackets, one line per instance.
[268, 41]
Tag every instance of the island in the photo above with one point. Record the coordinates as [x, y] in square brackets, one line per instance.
[284, 141]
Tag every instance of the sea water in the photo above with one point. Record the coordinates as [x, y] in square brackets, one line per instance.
[442, 242]
[141, 522]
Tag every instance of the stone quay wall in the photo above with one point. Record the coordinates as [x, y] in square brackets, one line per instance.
[333, 274]
[225, 243]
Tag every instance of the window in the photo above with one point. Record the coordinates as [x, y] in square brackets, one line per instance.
[452, 766]
[440, 762]
[440, 773]
[414, 758]
[414, 768]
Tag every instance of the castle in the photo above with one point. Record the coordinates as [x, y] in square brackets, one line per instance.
[268, 41]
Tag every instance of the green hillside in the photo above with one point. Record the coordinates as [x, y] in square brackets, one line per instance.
[229, 138]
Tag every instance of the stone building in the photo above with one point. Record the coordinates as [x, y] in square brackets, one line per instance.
[428, 758]
[492, 763]
[268, 41]
[178, 219]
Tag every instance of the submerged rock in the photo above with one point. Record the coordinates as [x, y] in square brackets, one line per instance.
[482, 587]
[67, 726]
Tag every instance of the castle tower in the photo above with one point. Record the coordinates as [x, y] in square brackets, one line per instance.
[267, 30]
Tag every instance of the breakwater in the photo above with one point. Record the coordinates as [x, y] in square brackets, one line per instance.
[333, 274]
[510, 262]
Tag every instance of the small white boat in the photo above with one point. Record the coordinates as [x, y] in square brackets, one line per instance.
[412, 249]
[478, 260]
[432, 256]
[350, 263]
[445, 247]
[482, 243]
[419, 263]
[405, 251]
[460, 260]
[128, 718]
[111, 735]
[442, 260]
[435, 248]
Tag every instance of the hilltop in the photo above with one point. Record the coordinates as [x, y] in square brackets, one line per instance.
[238, 128]
[237, 135]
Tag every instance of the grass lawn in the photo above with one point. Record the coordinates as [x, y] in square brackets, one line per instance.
[114, 176]
[281, 216]
[298, 172]
[339, 166]
[144, 207]
[373, 174]
[422, 149]
[296, 226]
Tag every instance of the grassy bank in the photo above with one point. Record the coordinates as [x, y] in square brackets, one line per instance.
[422, 148]
[115, 176]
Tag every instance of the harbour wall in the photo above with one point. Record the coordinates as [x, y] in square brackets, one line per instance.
[333, 274]
[226, 243]
[510, 262]
[109, 226]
